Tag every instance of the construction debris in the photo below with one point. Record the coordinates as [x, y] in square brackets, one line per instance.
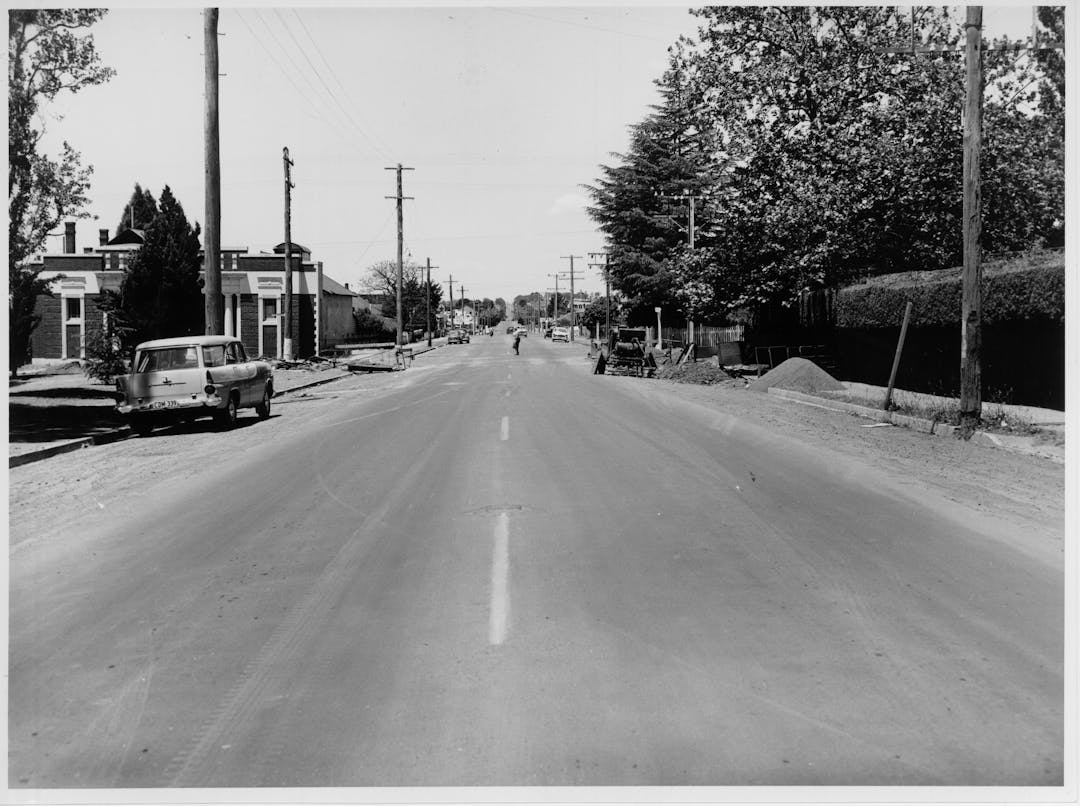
[797, 375]
[700, 372]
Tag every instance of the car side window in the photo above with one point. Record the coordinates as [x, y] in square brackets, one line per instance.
[241, 354]
[214, 356]
[230, 354]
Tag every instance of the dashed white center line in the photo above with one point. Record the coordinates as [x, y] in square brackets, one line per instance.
[504, 429]
[500, 570]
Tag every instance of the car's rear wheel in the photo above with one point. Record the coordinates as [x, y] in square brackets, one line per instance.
[263, 407]
[226, 417]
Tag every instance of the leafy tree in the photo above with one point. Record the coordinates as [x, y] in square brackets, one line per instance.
[822, 157]
[161, 294]
[47, 54]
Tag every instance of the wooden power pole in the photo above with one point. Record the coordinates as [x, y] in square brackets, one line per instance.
[971, 299]
[214, 312]
[971, 293]
[287, 319]
[607, 288]
[573, 316]
[427, 296]
[400, 246]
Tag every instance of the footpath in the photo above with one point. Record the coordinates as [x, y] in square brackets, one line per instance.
[56, 409]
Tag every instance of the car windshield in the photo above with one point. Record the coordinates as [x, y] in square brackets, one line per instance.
[164, 358]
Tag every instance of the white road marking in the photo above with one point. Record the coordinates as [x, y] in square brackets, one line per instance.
[500, 569]
[504, 429]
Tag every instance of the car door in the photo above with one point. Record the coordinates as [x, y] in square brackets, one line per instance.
[245, 374]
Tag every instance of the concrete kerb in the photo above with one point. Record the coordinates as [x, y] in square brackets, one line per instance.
[880, 415]
[894, 418]
[125, 432]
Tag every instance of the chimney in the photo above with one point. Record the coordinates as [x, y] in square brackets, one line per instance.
[69, 238]
[103, 237]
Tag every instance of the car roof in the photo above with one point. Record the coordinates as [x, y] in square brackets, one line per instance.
[183, 341]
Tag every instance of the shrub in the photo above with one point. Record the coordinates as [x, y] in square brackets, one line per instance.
[104, 359]
[1010, 292]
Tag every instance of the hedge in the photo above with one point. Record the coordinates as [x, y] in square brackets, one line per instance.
[1011, 292]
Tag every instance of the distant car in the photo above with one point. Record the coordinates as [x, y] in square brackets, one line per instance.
[457, 336]
[511, 328]
[521, 332]
[189, 377]
[560, 334]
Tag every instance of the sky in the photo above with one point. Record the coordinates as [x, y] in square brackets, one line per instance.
[502, 112]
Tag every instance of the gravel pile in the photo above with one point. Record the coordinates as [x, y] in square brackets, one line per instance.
[797, 375]
[701, 372]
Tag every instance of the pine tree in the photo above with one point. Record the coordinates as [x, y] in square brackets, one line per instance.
[161, 294]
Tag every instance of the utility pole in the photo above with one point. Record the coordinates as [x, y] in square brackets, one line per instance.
[971, 299]
[462, 290]
[555, 310]
[213, 311]
[450, 283]
[427, 294]
[692, 199]
[573, 312]
[971, 293]
[400, 245]
[607, 289]
[287, 319]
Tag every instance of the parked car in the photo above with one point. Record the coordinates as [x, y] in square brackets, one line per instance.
[511, 328]
[521, 332]
[189, 377]
[560, 334]
[457, 336]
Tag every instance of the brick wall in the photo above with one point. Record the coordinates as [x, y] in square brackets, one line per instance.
[304, 325]
[45, 340]
[250, 323]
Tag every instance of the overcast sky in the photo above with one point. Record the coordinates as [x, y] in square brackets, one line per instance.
[503, 112]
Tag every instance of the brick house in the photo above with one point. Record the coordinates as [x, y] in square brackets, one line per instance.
[252, 287]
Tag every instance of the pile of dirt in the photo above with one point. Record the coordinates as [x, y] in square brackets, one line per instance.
[797, 375]
[701, 372]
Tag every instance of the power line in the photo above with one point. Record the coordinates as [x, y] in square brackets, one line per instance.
[333, 74]
[330, 93]
[343, 130]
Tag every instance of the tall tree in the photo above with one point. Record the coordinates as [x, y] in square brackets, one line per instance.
[823, 156]
[139, 212]
[161, 294]
[48, 53]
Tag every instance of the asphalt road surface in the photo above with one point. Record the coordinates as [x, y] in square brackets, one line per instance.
[500, 570]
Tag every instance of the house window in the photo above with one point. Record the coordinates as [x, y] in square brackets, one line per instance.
[270, 310]
[73, 309]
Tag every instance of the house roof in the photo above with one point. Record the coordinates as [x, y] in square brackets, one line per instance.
[331, 286]
[280, 248]
[128, 236]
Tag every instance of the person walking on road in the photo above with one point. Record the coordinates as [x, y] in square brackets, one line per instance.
[517, 343]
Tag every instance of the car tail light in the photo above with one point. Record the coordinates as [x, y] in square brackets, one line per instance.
[209, 388]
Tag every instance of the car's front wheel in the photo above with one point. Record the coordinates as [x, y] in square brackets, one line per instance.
[263, 408]
[226, 417]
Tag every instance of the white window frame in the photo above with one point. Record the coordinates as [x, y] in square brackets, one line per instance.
[67, 294]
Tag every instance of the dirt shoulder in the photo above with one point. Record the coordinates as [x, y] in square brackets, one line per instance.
[1020, 488]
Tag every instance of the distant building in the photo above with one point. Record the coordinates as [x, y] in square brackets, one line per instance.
[252, 285]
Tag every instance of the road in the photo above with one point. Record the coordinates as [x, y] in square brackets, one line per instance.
[500, 570]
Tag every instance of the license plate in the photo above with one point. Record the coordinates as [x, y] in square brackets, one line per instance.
[163, 404]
